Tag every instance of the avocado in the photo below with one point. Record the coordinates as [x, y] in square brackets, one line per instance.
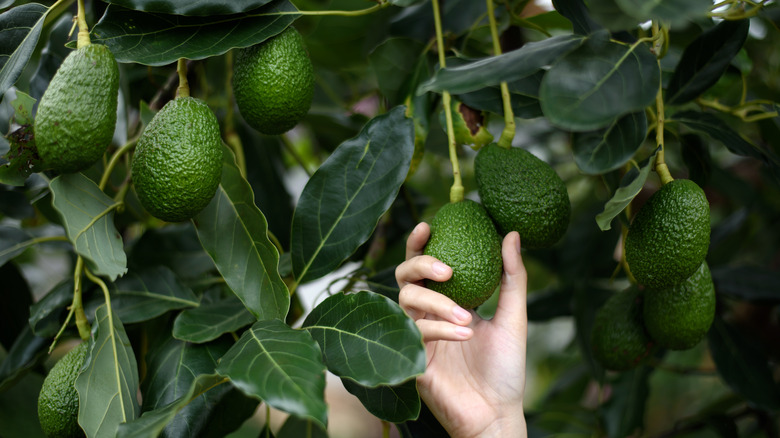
[669, 236]
[678, 317]
[177, 165]
[522, 193]
[76, 116]
[58, 401]
[464, 238]
[468, 125]
[273, 82]
[618, 338]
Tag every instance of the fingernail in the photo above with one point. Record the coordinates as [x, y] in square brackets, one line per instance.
[417, 228]
[460, 313]
[463, 332]
[518, 243]
[439, 268]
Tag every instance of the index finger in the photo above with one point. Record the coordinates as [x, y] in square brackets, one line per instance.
[417, 240]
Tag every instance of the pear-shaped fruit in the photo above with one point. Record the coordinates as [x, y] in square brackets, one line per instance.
[618, 338]
[58, 401]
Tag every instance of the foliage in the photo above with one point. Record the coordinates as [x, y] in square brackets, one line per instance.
[207, 318]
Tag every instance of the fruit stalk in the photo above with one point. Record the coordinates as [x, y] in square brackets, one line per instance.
[456, 191]
[184, 86]
[83, 35]
[660, 164]
[505, 141]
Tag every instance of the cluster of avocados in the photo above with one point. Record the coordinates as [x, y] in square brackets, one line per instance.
[518, 192]
[665, 250]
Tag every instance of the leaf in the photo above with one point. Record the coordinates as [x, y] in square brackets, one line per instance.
[295, 427]
[20, 29]
[367, 338]
[88, 217]
[675, 12]
[705, 60]
[234, 233]
[46, 315]
[27, 352]
[624, 413]
[607, 149]
[189, 7]
[608, 14]
[524, 97]
[141, 296]
[13, 241]
[395, 404]
[22, 158]
[15, 310]
[160, 39]
[590, 87]
[630, 186]
[743, 365]
[508, 67]
[152, 423]
[108, 382]
[19, 409]
[52, 55]
[212, 320]
[175, 246]
[576, 12]
[750, 283]
[344, 199]
[393, 62]
[281, 366]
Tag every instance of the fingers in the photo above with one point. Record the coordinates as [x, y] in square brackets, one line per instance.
[417, 240]
[437, 316]
[512, 298]
[421, 267]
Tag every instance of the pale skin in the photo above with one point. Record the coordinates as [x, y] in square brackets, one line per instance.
[475, 378]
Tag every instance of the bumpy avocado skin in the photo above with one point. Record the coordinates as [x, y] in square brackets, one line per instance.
[76, 116]
[58, 401]
[177, 164]
[522, 193]
[670, 235]
[273, 83]
[678, 317]
[619, 339]
[464, 238]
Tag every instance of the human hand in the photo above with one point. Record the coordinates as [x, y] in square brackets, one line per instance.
[475, 377]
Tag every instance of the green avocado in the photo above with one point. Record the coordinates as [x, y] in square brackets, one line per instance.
[619, 339]
[58, 401]
[177, 165]
[76, 116]
[522, 193]
[464, 238]
[669, 236]
[678, 317]
[273, 83]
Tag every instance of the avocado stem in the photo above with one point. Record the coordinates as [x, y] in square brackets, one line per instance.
[508, 134]
[83, 35]
[184, 86]
[456, 190]
[78, 307]
[660, 165]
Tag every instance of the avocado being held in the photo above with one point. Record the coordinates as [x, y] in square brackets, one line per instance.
[58, 401]
[177, 164]
[619, 339]
[464, 238]
[274, 83]
[678, 317]
[76, 116]
[522, 193]
[670, 235]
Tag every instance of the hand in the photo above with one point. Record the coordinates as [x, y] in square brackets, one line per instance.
[475, 378]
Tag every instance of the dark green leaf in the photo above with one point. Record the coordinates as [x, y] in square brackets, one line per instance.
[585, 304]
[750, 283]
[705, 60]
[13, 241]
[189, 7]
[16, 305]
[524, 97]
[27, 351]
[624, 413]
[281, 366]
[674, 12]
[697, 158]
[343, 201]
[14, 204]
[508, 67]
[393, 62]
[395, 404]
[88, 215]
[175, 246]
[295, 427]
[160, 39]
[20, 29]
[630, 186]
[52, 55]
[577, 13]
[544, 305]
[140, 296]
[743, 365]
[602, 80]
[608, 14]
[108, 382]
[607, 149]
[19, 409]
[235, 234]
[368, 338]
[211, 320]
[47, 315]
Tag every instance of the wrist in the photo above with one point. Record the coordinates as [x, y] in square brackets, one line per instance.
[512, 425]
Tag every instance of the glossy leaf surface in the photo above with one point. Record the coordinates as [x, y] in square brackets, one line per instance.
[189, 7]
[211, 320]
[395, 404]
[630, 186]
[607, 149]
[20, 28]
[13, 241]
[143, 295]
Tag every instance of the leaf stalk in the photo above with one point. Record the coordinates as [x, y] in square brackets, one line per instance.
[508, 134]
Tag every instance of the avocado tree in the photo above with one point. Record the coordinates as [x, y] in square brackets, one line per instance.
[194, 325]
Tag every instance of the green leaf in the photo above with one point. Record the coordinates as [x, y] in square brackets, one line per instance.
[175, 246]
[750, 283]
[630, 186]
[46, 315]
[19, 409]
[674, 12]
[234, 232]
[576, 12]
[625, 411]
[295, 427]
[211, 320]
[23, 108]
[22, 158]
[524, 97]
[607, 149]
[608, 14]
[743, 365]
[13, 241]
[600, 81]
[367, 338]
[188, 7]
[508, 67]
[160, 39]
[20, 29]
[52, 55]
[88, 216]
[344, 199]
[27, 352]
[705, 60]
[141, 296]
[108, 382]
[395, 404]
[16, 305]
[394, 62]
[281, 366]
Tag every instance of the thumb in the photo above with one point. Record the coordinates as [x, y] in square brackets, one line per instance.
[511, 310]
